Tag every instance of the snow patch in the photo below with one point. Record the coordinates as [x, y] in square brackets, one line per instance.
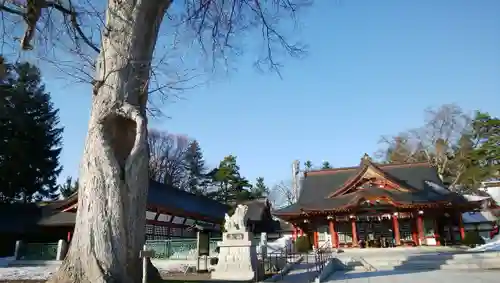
[478, 217]
[280, 244]
[27, 272]
[491, 245]
[187, 254]
[46, 271]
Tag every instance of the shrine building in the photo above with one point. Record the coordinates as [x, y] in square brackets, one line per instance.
[377, 205]
[171, 213]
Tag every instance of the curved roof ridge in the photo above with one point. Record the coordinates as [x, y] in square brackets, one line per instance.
[380, 165]
[365, 164]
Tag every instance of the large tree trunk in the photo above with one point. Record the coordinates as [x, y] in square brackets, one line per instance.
[109, 231]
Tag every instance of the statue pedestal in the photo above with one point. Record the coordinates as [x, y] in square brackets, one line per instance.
[237, 257]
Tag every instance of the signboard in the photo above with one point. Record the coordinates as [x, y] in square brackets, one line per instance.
[203, 243]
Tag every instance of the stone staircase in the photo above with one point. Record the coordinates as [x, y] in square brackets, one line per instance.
[459, 261]
[306, 271]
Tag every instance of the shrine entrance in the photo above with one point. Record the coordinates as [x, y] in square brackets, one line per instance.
[375, 232]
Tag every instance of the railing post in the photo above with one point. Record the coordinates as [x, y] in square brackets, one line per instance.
[145, 255]
[61, 250]
[168, 248]
[263, 244]
[18, 250]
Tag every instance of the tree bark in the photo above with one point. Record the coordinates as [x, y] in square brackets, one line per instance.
[112, 195]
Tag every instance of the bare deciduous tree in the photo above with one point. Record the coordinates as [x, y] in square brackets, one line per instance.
[110, 222]
[434, 142]
[282, 195]
[167, 153]
[400, 149]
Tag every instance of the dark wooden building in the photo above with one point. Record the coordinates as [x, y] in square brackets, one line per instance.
[377, 205]
[171, 213]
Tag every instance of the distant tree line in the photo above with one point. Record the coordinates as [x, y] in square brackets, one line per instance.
[464, 148]
[177, 161]
[31, 142]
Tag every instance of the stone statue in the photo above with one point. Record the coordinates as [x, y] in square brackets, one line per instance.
[228, 223]
[237, 251]
[236, 222]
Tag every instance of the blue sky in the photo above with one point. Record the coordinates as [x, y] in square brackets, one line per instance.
[372, 68]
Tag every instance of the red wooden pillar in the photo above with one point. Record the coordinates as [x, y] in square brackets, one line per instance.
[301, 232]
[420, 228]
[436, 232]
[294, 235]
[316, 239]
[395, 226]
[461, 226]
[333, 234]
[354, 232]
[414, 233]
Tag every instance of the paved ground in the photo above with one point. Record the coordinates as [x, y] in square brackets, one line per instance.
[303, 273]
[441, 276]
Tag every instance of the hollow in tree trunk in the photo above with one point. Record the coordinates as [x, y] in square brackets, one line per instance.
[110, 222]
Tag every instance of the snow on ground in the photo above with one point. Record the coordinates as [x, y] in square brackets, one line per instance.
[44, 272]
[282, 243]
[27, 272]
[189, 254]
[491, 245]
[24, 273]
[277, 245]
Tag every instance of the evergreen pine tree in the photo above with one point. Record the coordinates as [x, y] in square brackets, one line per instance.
[326, 165]
[308, 166]
[259, 189]
[195, 169]
[230, 185]
[30, 137]
[486, 134]
[69, 187]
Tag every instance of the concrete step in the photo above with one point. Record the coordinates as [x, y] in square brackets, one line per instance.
[430, 263]
[302, 272]
[439, 267]
[435, 261]
[452, 265]
[401, 256]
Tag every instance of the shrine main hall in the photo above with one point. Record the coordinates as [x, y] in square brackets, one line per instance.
[377, 205]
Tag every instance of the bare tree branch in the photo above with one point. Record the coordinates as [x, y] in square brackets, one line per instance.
[115, 161]
[281, 195]
[435, 141]
[69, 12]
[167, 154]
